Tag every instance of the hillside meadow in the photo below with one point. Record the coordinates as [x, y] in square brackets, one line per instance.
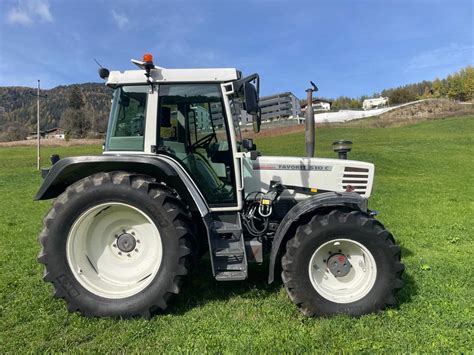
[424, 192]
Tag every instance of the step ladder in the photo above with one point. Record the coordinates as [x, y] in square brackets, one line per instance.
[227, 247]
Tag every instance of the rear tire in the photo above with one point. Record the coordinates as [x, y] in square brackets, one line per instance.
[116, 244]
[365, 265]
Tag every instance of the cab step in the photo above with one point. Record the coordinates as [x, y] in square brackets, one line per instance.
[227, 248]
[231, 276]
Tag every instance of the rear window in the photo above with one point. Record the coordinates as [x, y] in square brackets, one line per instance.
[127, 119]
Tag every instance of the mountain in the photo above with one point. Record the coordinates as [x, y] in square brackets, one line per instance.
[18, 108]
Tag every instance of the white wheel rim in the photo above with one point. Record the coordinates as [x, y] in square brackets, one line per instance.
[98, 263]
[349, 288]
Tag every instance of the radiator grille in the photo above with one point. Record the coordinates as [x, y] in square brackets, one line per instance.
[357, 178]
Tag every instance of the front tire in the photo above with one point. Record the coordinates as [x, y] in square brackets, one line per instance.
[342, 263]
[116, 244]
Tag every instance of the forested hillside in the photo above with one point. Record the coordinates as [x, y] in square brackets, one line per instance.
[82, 109]
[458, 86]
[18, 109]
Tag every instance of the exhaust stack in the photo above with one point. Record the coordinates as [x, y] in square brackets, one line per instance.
[309, 121]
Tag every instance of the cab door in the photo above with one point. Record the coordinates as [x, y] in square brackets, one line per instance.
[192, 128]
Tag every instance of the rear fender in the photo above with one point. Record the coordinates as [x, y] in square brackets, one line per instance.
[310, 205]
[69, 170]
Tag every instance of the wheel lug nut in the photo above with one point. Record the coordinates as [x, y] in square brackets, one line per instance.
[114, 245]
[133, 233]
[136, 250]
[119, 253]
[128, 255]
[138, 240]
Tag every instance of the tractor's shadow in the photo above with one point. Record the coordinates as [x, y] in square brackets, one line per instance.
[409, 289]
[201, 288]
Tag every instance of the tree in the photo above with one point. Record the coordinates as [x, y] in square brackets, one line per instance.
[437, 88]
[75, 99]
[13, 131]
[400, 95]
[461, 84]
[73, 119]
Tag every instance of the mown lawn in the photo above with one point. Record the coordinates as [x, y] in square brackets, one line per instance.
[424, 192]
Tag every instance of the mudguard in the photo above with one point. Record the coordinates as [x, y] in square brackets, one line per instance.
[350, 200]
[69, 170]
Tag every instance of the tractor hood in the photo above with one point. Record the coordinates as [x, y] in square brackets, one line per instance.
[319, 173]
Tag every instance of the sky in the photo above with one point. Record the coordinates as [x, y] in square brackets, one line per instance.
[347, 47]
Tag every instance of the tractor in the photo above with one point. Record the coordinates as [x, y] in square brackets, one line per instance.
[176, 180]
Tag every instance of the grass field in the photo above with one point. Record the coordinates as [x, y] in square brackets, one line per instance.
[424, 192]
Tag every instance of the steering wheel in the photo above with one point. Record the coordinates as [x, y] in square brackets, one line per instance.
[202, 142]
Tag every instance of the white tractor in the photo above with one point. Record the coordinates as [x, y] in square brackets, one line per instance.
[176, 179]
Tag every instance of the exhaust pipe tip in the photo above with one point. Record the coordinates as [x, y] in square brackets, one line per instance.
[342, 147]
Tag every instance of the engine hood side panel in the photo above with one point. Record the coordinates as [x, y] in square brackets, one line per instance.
[320, 173]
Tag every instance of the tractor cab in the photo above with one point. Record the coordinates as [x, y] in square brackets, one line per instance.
[194, 119]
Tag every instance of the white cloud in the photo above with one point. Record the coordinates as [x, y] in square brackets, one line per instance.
[451, 55]
[120, 20]
[25, 12]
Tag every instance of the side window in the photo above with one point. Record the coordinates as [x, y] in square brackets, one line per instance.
[191, 127]
[127, 126]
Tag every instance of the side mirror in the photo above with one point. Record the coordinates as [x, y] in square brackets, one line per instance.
[251, 98]
[251, 105]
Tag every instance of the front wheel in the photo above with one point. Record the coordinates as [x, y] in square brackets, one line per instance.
[342, 263]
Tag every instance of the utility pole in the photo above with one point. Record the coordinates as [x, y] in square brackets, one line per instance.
[38, 138]
[38, 132]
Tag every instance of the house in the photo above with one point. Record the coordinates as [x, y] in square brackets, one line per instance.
[319, 105]
[54, 133]
[369, 104]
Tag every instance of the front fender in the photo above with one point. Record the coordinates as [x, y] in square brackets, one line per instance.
[69, 170]
[350, 200]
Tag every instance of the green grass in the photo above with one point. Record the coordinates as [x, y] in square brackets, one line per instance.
[424, 192]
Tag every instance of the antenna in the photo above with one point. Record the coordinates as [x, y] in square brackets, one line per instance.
[100, 65]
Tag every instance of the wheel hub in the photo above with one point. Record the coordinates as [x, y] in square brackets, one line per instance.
[126, 242]
[339, 265]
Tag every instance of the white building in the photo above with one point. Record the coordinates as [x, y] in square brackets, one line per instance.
[318, 105]
[280, 106]
[369, 104]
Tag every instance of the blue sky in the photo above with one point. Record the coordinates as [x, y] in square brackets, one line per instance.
[347, 47]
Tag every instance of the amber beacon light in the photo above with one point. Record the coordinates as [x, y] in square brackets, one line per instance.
[147, 57]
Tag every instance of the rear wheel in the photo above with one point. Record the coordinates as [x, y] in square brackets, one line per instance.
[116, 244]
[342, 263]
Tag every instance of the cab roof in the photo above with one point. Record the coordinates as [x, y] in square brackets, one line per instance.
[163, 75]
